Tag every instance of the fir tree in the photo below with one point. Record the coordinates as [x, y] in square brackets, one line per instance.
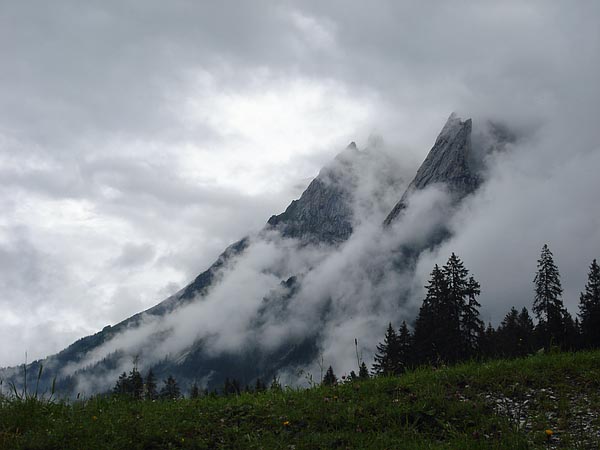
[589, 308]
[547, 305]
[122, 385]
[150, 387]
[195, 391]
[489, 346]
[136, 384]
[387, 356]
[515, 333]
[260, 386]
[405, 349]
[526, 333]
[330, 379]
[454, 308]
[472, 327]
[363, 372]
[170, 389]
[448, 327]
[430, 325]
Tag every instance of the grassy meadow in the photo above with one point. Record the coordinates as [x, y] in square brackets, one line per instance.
[542, 401]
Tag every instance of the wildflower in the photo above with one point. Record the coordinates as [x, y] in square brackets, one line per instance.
[286, 423]
[549, 433]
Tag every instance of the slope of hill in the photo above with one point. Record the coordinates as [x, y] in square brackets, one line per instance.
[506, 404]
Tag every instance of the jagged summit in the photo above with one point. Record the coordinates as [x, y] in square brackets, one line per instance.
[449, 162]
[323, 213]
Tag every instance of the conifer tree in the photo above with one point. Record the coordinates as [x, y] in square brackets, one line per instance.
[405, 349]
[547, 305]
[431, 324]
[489, 345]
[330, 379]
[471, 325]
[150, 387]
[136, 384]
[260, 386]
[227, 388]
[514, 336]
[589, 308]
[122, 385]
[453, 308]
[170, 389]
[387, 356]
[195, 391]
[448, 327]
[526, 333]
[363, 372]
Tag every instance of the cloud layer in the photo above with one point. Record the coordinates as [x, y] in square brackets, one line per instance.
[137, 141]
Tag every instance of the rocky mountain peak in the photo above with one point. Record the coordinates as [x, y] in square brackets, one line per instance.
[449, 162]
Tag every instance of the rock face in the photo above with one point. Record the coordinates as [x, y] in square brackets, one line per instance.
[323, 214]
[450, 162]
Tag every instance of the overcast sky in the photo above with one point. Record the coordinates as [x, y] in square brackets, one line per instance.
[139, 138]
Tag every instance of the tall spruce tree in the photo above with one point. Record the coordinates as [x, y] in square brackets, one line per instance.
[448, 328]
[136, 384]
[472, 327]
[387, 357]
[453, 308]
[589, 308]
[548, 305]
[150, 392]
[405, 349]
[430, 325]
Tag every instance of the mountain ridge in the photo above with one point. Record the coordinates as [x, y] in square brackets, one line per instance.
[324, 216]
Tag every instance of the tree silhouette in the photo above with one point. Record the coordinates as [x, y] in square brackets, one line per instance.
[589, 308]
[363, 372]
[150, 387]
[195, 391]
[547, 305]
[387, 357]
[329, 379]
[170, 389]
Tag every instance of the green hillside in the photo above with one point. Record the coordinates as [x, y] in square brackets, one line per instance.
[501, 404]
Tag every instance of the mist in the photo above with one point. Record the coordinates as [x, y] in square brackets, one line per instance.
[352, 290]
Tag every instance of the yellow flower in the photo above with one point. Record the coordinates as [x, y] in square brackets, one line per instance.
[549, 433]
[286, 423]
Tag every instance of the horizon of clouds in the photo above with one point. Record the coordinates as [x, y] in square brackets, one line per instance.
[138, 141]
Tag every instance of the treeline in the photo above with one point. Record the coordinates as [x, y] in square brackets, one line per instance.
[135, 387]
[448, 328]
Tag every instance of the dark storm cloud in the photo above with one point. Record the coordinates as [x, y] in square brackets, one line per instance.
[118, 125]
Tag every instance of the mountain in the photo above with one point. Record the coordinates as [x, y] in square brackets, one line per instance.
[450, 162]
[274, 301]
